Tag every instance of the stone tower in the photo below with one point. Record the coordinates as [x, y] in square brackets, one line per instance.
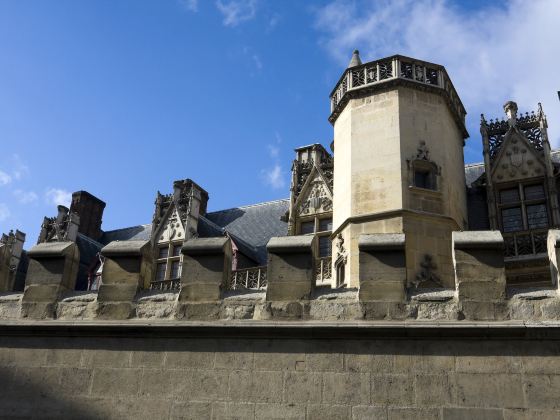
[399, 131]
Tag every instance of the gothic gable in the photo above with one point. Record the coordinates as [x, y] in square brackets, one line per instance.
[315, 196]
[171, 228]
[517, 159]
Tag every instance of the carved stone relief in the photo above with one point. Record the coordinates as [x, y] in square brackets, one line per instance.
[427, 274]
[517, 161]
[317, 200]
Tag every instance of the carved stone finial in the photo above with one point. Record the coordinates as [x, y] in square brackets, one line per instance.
[355, 61]
[510, 108]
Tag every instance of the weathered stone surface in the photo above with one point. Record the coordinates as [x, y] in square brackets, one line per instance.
[290, 273]
[206, 269]
[53, 268]
[480, 274]
[126, 269]
[382, 267]
[237, 377]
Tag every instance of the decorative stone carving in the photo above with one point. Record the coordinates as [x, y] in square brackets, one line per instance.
[426, 273]
[11, 246]
[62, 228]
[517, 160]
[317, 200]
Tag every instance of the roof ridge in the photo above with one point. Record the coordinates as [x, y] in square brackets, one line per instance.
[126, 228]
[249, 205]
[88, 239]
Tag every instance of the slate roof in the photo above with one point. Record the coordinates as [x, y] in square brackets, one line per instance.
[132, 233]
[254, 224]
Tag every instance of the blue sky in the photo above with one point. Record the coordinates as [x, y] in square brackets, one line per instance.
[121, 97]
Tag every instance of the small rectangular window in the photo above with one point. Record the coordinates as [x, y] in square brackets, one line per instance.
[325, 225]
[512, 219]
[325, 246]
[160, 272]
[175, 270]
[307, 227]
[537, 216]
[423, 179]
[177, 250]
[534, 192]
[509, 196]
[163, 252]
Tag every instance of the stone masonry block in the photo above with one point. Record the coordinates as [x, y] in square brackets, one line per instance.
[53, 268]
[382, 267]
[290, 268]
[126, 268]
[206, 269]
[480, 272]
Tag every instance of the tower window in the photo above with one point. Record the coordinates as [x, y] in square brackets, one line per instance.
[423, 179]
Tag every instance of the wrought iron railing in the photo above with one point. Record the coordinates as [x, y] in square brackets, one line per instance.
[323, 270]
[530, 242]
[395, 67]
[248, 278]
[164, 285]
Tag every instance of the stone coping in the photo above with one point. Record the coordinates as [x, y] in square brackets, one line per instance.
[478, 240]
[50, 249]
[290, 244]
[123, 248]
[381, 241]
[205, 246]
[514, 330]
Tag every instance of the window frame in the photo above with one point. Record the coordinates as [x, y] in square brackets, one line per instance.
[168, 260]
[523, 204]
[316, 219]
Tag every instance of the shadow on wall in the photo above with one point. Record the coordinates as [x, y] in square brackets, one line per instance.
[165, 375]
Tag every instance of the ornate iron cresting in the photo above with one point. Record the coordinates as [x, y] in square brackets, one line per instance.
[166, 285]
[248, 279]
[323, 270]
[389, 69]
[528, 124]
[525, 243]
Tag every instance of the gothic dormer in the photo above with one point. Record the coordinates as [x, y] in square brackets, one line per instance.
[311, 201]
[175, 221]
[521, 188]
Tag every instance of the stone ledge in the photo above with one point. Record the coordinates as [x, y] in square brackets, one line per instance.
[484, 239]
[205, 246]
[123, 248]
[517, 330]
[381, 241]
[50, 249]
[290, 244]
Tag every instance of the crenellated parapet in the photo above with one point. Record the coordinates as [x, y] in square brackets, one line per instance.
[479, 292]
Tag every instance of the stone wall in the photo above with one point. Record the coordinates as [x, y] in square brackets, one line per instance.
[245, 371]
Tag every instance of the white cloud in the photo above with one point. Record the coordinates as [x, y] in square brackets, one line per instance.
[20, 168]
[25, 197]
[274, 177]
[236, 11]
[5, 178]
[190, 5]
[56, 196]
[4, 212]
[492, 55]
[257, 61]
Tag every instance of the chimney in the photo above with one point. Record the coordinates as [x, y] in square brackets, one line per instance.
[90, 209]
